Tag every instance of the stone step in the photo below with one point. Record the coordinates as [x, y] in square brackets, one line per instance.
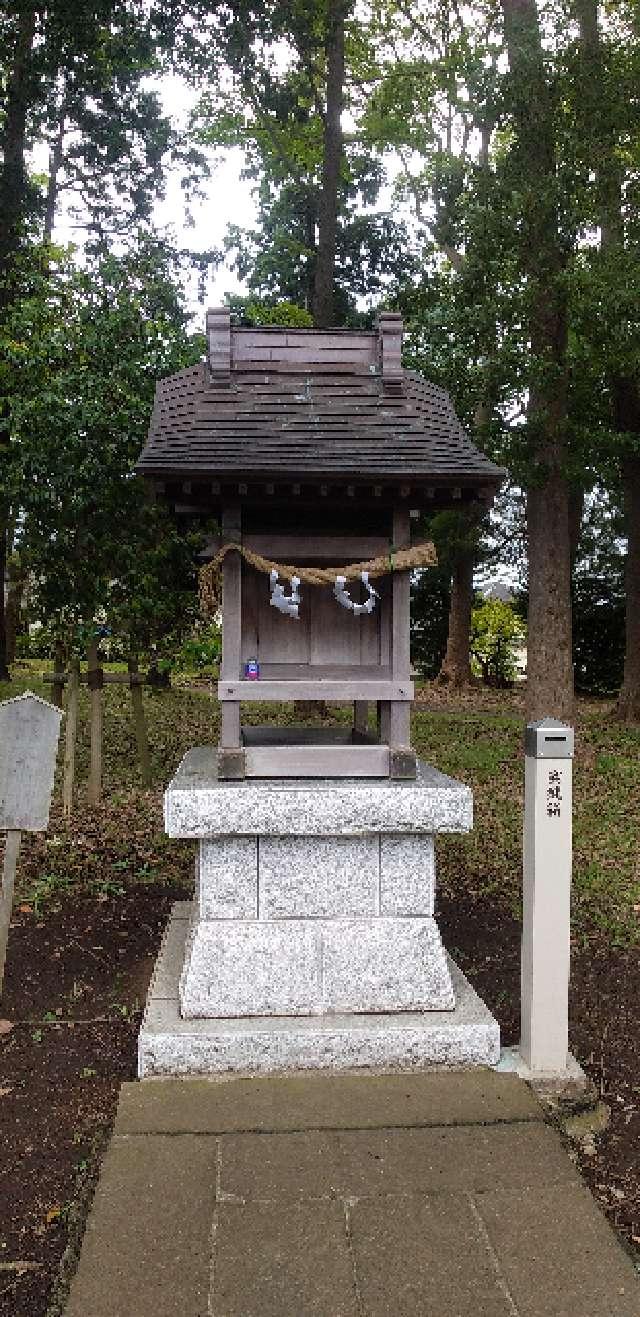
[411, 1040]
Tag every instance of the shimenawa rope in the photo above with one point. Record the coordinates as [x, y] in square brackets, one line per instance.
[397, 560]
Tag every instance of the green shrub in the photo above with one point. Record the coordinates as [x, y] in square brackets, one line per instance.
[496, 634]
[202, 649]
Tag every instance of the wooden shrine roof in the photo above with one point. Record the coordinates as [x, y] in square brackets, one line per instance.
[312, 404]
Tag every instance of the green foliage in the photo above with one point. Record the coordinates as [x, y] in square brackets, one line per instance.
[599, 601]
[496, 634]
[272, 104]
[250, 311]
[83, 348]
[430, 600]
[201, 649]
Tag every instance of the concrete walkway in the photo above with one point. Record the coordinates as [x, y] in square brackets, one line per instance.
[345, 1196]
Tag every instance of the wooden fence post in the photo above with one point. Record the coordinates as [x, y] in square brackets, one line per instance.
[57, 691]
[139, 721]
[95, 682]
[70, 738]
[11, 851]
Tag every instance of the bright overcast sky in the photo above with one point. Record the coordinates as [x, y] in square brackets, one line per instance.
[227, 200]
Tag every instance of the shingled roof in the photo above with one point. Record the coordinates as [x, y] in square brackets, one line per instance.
[274, 403]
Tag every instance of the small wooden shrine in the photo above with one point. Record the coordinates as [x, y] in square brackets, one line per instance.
[318, 453]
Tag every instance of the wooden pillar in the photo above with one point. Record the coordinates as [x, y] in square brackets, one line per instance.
[11, 852]
[230, 737]
[400, 584]
[402, 759]
[399, 722]
[383, 719]
[230, 752]
[361, 717]
[231, 595]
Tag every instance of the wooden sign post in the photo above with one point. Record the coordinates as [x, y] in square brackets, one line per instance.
[29, 731]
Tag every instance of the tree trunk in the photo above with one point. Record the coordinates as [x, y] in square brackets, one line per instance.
[456, 666]
[628, 707]
[5, 675]
[13, 175]
[12, 615]
[549, 666]
[625, 392]
[55, 163]
[13, 192]
[336, 12]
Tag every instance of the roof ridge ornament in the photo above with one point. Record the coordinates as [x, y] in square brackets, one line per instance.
[219, 344]
[390, 329]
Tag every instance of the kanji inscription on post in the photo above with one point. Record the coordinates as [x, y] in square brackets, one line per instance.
[554, 793]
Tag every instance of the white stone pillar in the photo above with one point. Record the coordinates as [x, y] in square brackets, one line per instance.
[546, 897]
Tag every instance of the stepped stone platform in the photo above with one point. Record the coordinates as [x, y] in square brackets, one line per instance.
[169, 1044]
[312, 941]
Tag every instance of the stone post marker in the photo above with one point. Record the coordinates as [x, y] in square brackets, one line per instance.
[29, 730]
[546, 897]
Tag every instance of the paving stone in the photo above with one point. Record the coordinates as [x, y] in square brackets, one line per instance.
[315, 876]
[419, 1257]
[298, 1102]
[271, 1261]
[364, 1163]
[557, 1253]
[146, 1249]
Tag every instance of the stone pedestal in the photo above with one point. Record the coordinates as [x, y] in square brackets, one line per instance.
[314, 901]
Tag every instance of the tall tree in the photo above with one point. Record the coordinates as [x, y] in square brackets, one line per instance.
[318, 242]
[72, 76]
[19, 37]
[532, 112]
[610, 116]
[87, 346]
[332, 155]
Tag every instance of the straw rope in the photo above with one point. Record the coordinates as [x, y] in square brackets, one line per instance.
[397, 560]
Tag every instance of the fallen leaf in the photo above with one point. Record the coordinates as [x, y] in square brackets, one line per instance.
[5, 1026]
[25, 909]
[4, 1092]
[53, 1214]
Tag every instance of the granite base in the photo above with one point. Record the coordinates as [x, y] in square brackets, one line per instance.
[168, 1044]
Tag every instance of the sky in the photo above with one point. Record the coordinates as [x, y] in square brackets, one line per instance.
[227, 200]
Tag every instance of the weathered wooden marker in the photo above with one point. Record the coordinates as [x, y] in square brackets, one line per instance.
[29, 731]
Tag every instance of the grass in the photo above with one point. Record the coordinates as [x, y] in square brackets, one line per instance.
[484, 749]
[123, 841]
